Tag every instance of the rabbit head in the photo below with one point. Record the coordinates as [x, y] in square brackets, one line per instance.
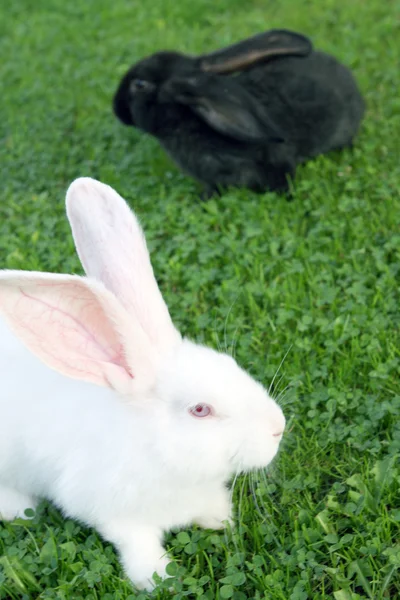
[227, 420]
[112, 328]
[140, 86]
[170, 79]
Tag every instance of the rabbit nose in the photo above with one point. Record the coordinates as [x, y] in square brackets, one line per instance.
[278, 434]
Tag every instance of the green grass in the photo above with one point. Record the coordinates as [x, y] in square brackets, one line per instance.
[317, 278]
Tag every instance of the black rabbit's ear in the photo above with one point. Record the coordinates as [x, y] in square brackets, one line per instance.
[225, 107]
[260, 47]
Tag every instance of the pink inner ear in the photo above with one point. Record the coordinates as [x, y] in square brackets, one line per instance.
[65, 325]
[112, 249]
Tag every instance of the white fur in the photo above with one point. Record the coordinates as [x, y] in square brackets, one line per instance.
[105, 433]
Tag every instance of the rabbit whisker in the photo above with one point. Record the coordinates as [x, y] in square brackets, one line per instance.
[226, 321]
[278, 369]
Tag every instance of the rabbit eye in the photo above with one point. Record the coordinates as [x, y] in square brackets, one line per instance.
[139, 84]
[200, 410]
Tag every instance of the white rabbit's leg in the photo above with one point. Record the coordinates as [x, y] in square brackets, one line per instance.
[13, 504]
[216, 511]
[140, 549]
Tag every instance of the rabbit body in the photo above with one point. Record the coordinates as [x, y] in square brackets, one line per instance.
[101, 461]
[105, 410]
[250, 129]
[315, 100]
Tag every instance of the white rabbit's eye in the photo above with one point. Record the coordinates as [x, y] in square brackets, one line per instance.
[200, 410]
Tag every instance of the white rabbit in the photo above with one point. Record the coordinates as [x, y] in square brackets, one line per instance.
[105, 410]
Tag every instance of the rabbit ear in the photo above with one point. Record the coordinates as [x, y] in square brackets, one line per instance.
[225, 106]
[247, 53]
[78, 328]
[112, 249]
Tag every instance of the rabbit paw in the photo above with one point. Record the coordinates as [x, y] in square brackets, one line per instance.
[140, 549]
[210, 522]
[13, 504]
[209, 192]
[219, 512]
[142, 577]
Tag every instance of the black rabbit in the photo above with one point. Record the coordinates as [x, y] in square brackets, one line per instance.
[245, 115]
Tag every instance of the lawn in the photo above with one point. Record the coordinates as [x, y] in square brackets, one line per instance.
[306, 292]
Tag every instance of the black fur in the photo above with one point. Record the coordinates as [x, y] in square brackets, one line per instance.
[245, 115]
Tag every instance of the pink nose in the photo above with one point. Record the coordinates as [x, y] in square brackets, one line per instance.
[279, 434]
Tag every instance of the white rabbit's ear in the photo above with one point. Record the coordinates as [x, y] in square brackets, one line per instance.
[78, 328]
[112, 249]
